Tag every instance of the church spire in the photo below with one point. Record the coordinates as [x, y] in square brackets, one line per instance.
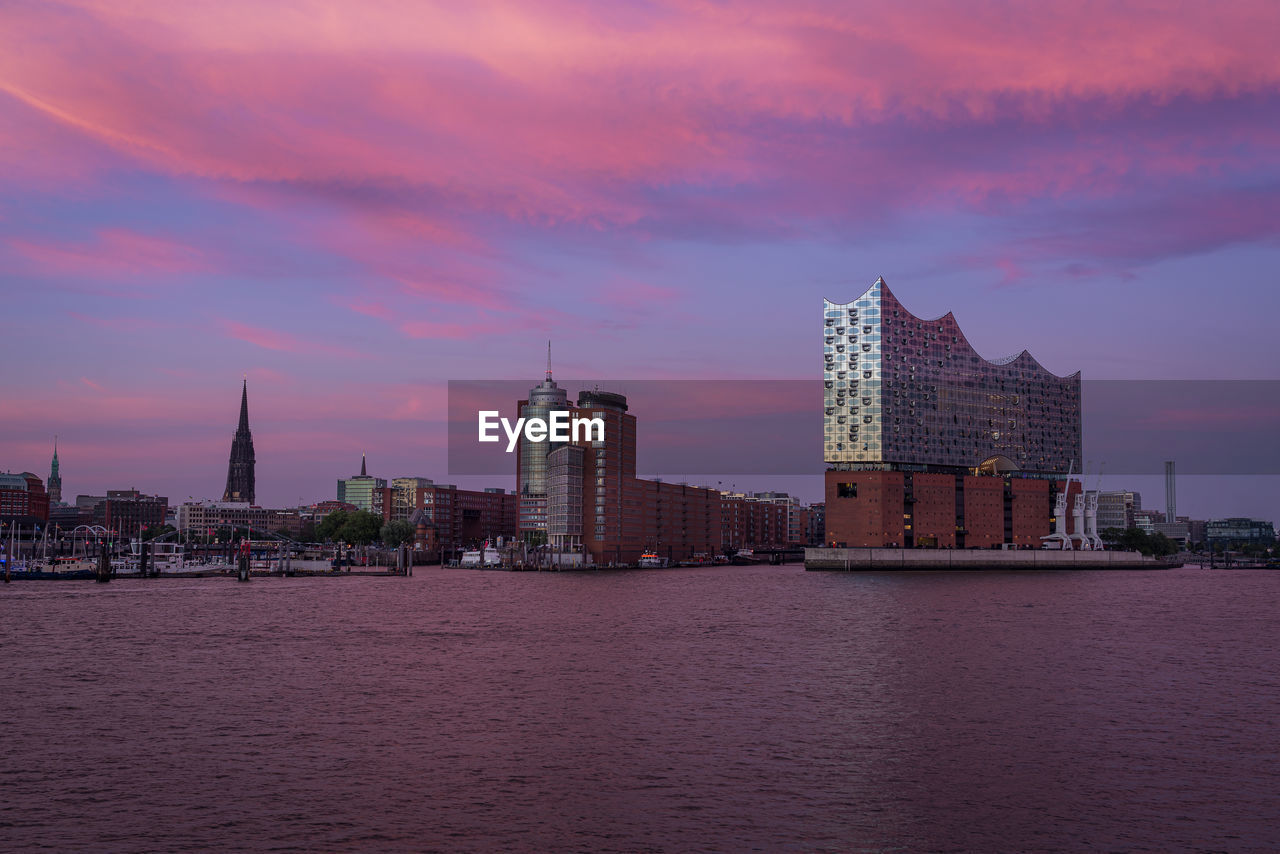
[244, 406]
[363, 471]
[240, 468]
[54, 484]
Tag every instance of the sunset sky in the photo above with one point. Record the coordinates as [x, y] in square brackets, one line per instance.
[352, 203]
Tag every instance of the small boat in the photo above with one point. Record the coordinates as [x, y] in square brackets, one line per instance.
[59, 569]
[485, 557]
[650, 560]
[162, 557]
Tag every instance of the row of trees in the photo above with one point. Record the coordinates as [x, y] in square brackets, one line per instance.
[361, 528]
[1138, 540]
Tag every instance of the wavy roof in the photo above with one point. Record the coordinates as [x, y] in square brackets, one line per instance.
[1005, 360]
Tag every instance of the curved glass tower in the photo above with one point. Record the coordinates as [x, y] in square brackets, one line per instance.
[531, 474]
[905, 391]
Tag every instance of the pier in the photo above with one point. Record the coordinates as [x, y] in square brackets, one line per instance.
[879, 560]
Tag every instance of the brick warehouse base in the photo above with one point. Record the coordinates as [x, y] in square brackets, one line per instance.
[896, 509]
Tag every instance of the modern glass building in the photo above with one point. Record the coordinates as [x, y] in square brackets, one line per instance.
[531, 463]
[906, 392]
[564, 497]
[363, 491]
[1239, 531]
[928, 444]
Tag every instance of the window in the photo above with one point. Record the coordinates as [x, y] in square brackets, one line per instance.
[846, 490]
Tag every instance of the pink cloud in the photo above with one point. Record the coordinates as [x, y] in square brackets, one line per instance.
[548, 115]
[369, 308]
[284, 342]
[434, 329]
[110, 253]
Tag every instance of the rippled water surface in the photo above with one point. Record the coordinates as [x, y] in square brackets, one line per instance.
[668, 710]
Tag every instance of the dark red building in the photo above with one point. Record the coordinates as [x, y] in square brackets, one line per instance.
[23, 499]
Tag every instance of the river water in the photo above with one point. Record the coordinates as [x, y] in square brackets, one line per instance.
[726, 709]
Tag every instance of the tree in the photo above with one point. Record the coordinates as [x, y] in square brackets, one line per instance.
[397, 532]
[1160, 545]
[361, 527]
[157, 531]
[1138, 540]
[1111, 536]
[331, 526]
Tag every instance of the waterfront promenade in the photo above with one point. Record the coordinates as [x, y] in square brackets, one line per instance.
[976, 559]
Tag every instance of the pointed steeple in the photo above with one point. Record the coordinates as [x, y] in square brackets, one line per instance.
[54, 484]
[548, 358]
[363, 471]
[240, 467]
[244, 406]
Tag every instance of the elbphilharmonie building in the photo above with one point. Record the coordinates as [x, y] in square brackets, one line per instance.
[916, 420]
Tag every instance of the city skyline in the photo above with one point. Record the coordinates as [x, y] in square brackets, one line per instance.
[176, 215]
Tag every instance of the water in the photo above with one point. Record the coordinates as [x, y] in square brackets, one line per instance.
[669, 710]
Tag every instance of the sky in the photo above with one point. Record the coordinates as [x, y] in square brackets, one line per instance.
[352, 203]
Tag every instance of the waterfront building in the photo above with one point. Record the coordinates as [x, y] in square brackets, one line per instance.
[797, 523]
[750, 522]
[1179, 531]
[1146, 520]
[207, 517]
[595, 502]
[454, 519]
[564, 497]
[67, 516]
[1239, 531]
[609, 480]
[364, 491]
[817, 531]
[677, 520]
[128, 511]
[927, 443]
[1198, 529]
[318, 512]
[1116, 509]
[531, 457]
[241, 485]
[54, 484]
[23, 499]
[404, 496]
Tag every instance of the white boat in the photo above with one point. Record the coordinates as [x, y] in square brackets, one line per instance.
[161, 556]
[486, 556]
[650, 560]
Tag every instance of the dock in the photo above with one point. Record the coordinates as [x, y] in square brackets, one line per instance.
[881, 560]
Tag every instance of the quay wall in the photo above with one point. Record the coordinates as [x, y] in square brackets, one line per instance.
[962, 559]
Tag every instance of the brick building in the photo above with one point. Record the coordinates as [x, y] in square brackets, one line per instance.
[595, 502]
[450, 518]
[128, 511]
[23, 499]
